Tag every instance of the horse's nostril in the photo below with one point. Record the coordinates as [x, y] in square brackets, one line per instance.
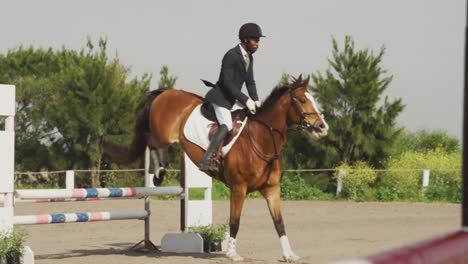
[322, 126]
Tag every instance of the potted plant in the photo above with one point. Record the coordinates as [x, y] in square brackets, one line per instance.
[212, 235]
[11, 246]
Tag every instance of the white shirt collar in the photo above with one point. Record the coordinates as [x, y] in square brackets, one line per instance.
[244, 53]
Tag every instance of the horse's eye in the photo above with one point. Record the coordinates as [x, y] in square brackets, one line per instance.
[302, 100]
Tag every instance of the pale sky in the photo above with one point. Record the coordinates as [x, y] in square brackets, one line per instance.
[424, 41]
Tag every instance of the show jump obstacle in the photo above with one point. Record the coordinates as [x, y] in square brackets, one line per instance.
[193, 212]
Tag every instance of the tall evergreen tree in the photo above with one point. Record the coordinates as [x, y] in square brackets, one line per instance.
[93, 105]
[362, 127]
[30, 71]
[165, 80]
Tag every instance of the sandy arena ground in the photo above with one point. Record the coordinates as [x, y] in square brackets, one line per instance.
[319, 232]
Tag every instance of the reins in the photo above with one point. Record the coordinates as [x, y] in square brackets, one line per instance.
[304, 124]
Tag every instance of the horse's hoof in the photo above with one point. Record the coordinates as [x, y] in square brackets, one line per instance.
[234, 256]
[159, 176]
[291, 258]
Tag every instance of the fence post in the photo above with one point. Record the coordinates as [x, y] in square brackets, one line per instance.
[147, 164]
[7, 150]
[425, 181]
[339, 184]
[70, 179]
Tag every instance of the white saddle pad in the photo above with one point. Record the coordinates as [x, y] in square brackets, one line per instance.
[197, 127]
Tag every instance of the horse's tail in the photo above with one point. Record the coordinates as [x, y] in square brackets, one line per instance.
[141, 130]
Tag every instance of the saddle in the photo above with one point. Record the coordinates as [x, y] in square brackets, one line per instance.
[237, 116]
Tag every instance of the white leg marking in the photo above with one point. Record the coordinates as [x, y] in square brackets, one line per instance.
[288, 254]
[231, 250]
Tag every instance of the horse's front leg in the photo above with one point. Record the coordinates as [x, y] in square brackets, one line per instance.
[272, 195]
[238, 193]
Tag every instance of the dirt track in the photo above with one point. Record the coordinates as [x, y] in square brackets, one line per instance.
[319, 232]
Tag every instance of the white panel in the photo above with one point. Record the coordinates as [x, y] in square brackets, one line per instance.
[194, 177]
[7, 161]
[7, 100]
[199, 213]
[182, 243]
[6, 219]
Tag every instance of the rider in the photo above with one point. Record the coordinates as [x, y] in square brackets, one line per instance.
[236, 69]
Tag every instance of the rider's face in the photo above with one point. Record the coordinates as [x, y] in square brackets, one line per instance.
[252, 44]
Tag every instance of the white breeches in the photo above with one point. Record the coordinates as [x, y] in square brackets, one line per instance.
[223, 115]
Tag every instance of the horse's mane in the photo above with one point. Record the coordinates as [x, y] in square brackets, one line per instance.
[278, 91]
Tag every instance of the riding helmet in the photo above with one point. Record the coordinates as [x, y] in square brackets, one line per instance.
[250, 30]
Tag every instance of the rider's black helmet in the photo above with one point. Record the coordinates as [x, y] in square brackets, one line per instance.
[250, 30]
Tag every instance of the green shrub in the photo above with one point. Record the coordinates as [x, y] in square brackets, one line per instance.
[211, 233]
[385, 193]
[358, 181]
[220, 191]
[295, 188]
[11, 243]
[405, 175]
[443, 193]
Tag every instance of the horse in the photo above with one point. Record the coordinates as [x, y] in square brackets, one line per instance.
[252, 164]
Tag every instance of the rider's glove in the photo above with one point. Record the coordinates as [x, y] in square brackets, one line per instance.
[257, 104]
[251, 106]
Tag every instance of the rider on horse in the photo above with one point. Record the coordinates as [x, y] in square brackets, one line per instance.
[236, 69]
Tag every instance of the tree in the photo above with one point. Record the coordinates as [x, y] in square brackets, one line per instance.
[350, 94]
[425, 141]
[284, 79]
[93, 106]
[71, 106]
[30, 71]
[165, 80]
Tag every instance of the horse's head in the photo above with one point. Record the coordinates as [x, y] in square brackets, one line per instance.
[303, 110]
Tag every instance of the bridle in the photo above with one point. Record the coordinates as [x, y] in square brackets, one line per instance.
[304, 124]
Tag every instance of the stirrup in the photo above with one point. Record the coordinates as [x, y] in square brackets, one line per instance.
[210, 166]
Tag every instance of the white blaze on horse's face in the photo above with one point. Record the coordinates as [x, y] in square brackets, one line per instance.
[320, 127]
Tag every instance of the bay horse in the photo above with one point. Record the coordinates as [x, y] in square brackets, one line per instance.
[253, 163]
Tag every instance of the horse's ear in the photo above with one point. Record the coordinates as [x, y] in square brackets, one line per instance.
[306, 81]
[300, 78]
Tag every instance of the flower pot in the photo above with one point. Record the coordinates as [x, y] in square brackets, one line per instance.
[212, 246]
[15, 259]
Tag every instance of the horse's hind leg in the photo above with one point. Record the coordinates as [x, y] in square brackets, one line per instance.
[272, 195]
[160, 162]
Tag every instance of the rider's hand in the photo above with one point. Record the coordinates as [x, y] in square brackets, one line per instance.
[250, 105]
[257, 104]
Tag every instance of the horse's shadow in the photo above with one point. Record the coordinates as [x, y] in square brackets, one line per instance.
[125, 249]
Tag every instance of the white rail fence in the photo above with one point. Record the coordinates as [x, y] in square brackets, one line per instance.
[70, 175]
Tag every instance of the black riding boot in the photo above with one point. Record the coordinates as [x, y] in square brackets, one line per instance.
[206, 164]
